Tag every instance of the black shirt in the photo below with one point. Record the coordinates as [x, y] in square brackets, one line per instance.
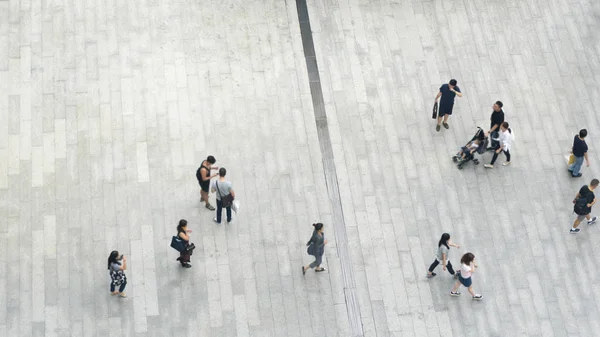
[497, 119]
[579, 147]
[447, 95]
[585, 192]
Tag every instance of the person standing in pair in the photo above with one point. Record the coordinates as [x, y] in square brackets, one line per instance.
[579, 150]
[117, 264]
[204, 177]
[184, 234]
[584, 200]
[496, 121]
[447, 93]
[316, 248]
[506, 138]
[442, 255]
[467, 268]
[223, 189]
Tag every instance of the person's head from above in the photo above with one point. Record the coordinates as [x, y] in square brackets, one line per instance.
[318, 226]
[467, 259]
[452, 83]
[444, 240]
[582, 133]
[182, 226]
[504, 126]
[114, 257]
[498, 106]
[211, 160]
[222, 172]
[594, 183]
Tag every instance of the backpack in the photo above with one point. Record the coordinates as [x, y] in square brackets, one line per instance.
[580, 207]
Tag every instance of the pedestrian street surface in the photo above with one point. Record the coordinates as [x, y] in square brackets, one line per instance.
[107, 109]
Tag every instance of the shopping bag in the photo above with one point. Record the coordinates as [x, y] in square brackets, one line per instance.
[571, 160]
[235, 205]
[178, 244]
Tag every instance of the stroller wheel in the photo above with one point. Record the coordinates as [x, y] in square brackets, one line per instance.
[460, 167]
[475, 161]
[454, 159]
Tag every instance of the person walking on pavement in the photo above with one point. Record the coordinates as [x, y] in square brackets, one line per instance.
[204, 177]
[184, 234]
[467, 268]
[579, 150]
[447, 93]
[117, 264]
[223, 189]
[442, 255]
[496, 121]
[505, 140]
[316, 248]
[584, 200]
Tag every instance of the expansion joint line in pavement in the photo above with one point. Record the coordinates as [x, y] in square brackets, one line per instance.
[339, 226]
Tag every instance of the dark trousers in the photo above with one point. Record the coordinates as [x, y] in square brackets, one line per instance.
[121, 288]
[220, 210]
[448, 266]
[506, 153]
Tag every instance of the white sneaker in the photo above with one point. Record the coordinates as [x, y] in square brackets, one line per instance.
[477, 297]
[488, 166]
[592, 220]
[506, 163]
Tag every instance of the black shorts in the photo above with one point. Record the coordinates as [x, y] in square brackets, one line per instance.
[445, 110]
[204, 185]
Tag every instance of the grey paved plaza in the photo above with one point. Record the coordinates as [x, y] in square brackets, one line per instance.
[108, 107]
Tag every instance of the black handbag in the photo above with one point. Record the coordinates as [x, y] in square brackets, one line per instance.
[435, 111]
[178, 244]
[226, 200]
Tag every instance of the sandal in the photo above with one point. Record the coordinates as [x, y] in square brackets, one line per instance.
[124, 295]
[319, 270]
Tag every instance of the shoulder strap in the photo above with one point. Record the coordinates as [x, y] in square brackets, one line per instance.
[218, 190]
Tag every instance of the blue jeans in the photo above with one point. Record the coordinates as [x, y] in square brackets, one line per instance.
[576, 167]
[220, 209]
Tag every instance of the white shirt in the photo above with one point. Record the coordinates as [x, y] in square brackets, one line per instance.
[506, 138]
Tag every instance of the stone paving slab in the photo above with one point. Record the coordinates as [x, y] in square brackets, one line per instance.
[108, 108]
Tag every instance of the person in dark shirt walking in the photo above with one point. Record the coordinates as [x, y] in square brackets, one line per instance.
[496, 121]
[447, 93]
[579, 150]
[584, 200]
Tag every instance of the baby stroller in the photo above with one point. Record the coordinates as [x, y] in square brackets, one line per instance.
[477, 144]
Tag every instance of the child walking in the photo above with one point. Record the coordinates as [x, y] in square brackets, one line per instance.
[467, 268]
[442, 255]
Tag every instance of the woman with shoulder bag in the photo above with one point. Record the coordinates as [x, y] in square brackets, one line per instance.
[117, 264]
[183, 234]
[316, 248]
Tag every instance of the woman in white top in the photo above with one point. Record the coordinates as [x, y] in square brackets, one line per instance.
[467, 268]
[506, 138]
